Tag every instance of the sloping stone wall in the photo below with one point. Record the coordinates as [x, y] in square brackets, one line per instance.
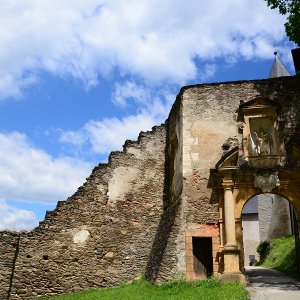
[102, 235]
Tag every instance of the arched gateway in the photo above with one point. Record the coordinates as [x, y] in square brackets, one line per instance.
[261, 164]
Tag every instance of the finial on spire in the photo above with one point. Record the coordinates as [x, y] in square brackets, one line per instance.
[278, 69]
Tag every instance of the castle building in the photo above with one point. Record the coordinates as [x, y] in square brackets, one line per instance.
[170, 204]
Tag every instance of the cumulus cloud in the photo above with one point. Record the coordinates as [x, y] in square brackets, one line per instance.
[30, 174]
[103, 136]
[13, 218]
[151, 39]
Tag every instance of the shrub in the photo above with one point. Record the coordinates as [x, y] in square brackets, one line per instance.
[263, 249]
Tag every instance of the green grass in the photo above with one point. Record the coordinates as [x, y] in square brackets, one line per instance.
[210, 289]
[282, 256]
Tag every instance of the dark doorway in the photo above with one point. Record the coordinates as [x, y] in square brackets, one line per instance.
[202, 257]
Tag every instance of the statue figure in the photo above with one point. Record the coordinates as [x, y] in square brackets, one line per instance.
[262, 145]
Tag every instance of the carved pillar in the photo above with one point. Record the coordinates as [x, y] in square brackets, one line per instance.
[229, 216]
[230, 251]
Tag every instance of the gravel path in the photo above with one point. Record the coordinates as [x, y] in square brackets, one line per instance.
[268, 284]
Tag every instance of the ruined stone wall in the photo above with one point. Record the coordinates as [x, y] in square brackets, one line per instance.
[8, 251]
[103, 234]
[133, 214]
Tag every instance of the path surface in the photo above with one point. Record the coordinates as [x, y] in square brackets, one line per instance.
[268, 284]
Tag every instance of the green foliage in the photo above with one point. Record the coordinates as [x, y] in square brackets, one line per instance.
[282, 256]
[292, 9]
[211, 289]
[263, 249]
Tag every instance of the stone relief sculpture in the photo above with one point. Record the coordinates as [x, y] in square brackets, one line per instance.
[261, 143]
[267, 181]
[230, 143]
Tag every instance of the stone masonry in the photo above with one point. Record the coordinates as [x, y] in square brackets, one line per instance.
[137, 214]
[8, 248]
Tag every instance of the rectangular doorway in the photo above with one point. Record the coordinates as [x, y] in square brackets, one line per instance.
[202, 257]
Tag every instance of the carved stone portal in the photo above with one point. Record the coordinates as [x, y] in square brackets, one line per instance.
[266, 181]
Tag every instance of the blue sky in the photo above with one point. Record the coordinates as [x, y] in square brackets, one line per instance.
[78, 78]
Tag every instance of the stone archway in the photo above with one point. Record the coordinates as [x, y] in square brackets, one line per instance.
[238, 186]
[259, 165]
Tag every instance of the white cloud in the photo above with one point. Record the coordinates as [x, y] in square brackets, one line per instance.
[208, 71]
[30, 174]
[111, 133]
[130, 90]
[103, 136]
[11, 86]
[13, 218]
[154, 40]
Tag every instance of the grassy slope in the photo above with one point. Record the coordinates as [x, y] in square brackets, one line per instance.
[282, 256]
[210, 289]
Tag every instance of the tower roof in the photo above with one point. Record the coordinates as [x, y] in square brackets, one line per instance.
[278, 69]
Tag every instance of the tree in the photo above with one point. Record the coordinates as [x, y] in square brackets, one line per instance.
[291, 8]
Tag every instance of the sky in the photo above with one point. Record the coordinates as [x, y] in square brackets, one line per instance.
[78, 78]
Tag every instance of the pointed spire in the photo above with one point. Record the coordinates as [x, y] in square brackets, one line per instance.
[278, 69]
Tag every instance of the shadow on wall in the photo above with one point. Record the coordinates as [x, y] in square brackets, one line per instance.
[160, 241]
[165, 233]
[213, 184]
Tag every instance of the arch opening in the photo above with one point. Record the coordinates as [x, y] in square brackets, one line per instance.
[266, 217]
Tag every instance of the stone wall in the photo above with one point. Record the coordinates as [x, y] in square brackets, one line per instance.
[9, 244]
[209, 120]
[280, 219]
[133, 214]
[274, 217]
[103, 234]
[251, 236]
[163, 261]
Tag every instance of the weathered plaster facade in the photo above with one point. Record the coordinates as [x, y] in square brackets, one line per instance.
[140, 212]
